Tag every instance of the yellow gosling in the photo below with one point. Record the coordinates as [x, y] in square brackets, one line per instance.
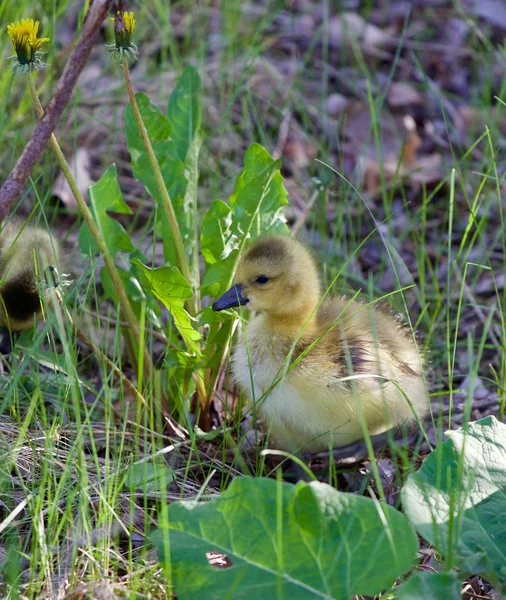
[320, 373]
[24, 257]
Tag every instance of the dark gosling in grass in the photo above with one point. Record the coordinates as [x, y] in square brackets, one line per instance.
[25, 256]
[320, 373]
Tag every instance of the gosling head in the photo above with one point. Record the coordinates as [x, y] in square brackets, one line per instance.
[275, 276]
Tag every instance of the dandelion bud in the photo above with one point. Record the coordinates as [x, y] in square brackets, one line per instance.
[124, 27]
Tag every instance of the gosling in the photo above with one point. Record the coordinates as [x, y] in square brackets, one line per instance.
[25, 255]
[321, 373]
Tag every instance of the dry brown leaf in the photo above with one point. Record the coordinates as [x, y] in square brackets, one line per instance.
[493, 11]
[414, 169]
[486, 284]
[351, 26]
[403, 94]
[79, 165]
[299, 149]
[335, 104]
[413, 142]
[426, 169]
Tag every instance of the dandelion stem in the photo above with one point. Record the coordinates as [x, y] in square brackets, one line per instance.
[162, 188]
[176, 234]
[96, 233]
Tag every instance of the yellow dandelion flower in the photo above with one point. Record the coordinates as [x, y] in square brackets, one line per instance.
[27, 44]
[129, 22]
[124, 27]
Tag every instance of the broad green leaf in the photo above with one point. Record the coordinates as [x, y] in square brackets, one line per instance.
[257, 166]
[172, 289]
[156, 124]
[284, 541]
[165, 150]
[105, 196]
[187, 214]
[436, 586]
[183, 111]
[457, 500]
[171, 166]
[135, 292]
[256, 160]
[255, 208]
[260, 197]
[216, 239]
[216, 279]
[148, 476]
[208, 316]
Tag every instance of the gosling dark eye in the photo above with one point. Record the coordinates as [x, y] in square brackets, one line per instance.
[262, 279]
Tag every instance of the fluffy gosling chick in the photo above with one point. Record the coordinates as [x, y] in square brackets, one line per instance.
[318, 374]
[24, 257]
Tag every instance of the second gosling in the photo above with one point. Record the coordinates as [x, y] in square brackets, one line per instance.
[25, 254]
[321, 373]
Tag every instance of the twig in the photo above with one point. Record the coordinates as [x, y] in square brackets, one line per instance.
[61, 97]
[303, 217]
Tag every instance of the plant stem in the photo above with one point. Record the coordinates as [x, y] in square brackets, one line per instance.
[95, 231]
[174, 227]
[162, 189]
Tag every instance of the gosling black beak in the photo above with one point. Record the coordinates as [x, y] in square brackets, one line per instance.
[230, 299]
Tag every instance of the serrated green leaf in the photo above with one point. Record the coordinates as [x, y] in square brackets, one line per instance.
[261, 196]
[256, 160]
[171, 167]
[256, 207]
[217, 277]
[172, 289]
[183, 111]
[457, 500]
[187, 214]
[155, 122]
[284, 541]
[436, 586]
[105, 196]
[216, 239]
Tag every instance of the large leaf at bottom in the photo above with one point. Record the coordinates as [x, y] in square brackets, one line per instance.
[284, 541]
[457, 500]
[436, 586]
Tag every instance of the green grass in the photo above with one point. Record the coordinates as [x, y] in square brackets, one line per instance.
[70, 516]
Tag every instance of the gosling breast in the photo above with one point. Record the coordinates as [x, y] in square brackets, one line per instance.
[316, 392]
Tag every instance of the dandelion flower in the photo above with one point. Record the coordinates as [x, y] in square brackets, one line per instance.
[27, 45]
